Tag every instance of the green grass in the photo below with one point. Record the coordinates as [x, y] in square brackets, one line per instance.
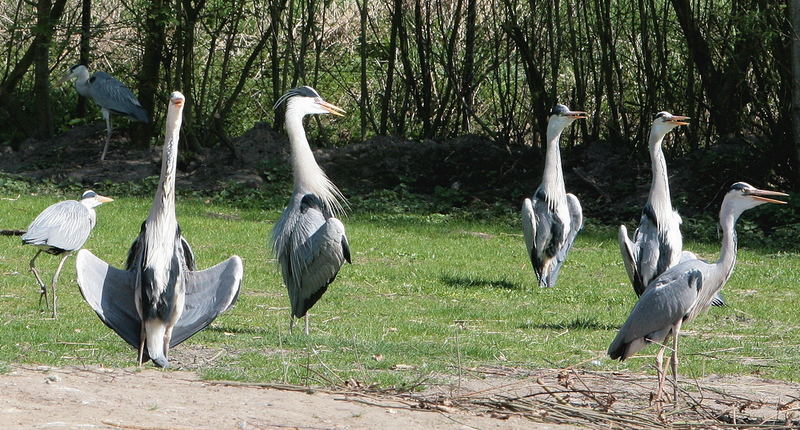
[429, 291]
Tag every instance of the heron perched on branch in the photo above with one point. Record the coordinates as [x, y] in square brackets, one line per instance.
[683, 291]
[552, 219]
[159, 300]
[110, 94]
[308, 240]
[59, 230]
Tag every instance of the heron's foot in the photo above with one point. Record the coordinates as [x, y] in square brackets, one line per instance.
[43, 295]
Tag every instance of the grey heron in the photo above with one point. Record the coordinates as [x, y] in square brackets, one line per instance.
[110, 94]
[552, 219]
[657, 242]
[679, 294]
[160, 299]
[308, 240]
[60, 229]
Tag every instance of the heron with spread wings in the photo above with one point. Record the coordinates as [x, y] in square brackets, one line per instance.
[308, 240]
[552, 218]
[160, 299]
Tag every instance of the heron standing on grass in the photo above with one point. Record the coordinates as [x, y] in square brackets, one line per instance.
[59, 230]
[657, 243]
[683, 291]
[159, 300]
[110, 94]
[308, 240]
[552, 219]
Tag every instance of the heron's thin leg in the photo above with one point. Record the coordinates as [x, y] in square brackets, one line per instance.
[661, 375]
[55, 279]
[307, 323]
[675, 332]
[107, 117]
[42, 288]
[142, 338]
[167, 338]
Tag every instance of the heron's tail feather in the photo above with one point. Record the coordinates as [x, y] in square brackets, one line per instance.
[139, 114]
[718, 300]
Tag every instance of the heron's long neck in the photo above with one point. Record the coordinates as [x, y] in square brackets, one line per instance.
[164, 202]
[82, 83]
[553, 177]
[659, 196]
[308, 176]
[727, 255]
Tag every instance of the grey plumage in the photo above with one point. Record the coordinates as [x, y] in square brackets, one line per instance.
[683, 291]
[110, 94]
[552, 218]
[657, 242]
[309, 241]
[60, 229]
[159, 300]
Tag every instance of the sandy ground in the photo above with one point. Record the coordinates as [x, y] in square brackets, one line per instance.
[487, 398]
[70, 398]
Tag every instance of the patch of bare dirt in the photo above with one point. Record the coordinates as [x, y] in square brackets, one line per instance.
[485, 398]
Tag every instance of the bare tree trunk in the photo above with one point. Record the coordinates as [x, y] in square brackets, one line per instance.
[44, 28]
[12, 79]
[794, 6]
[467, 90]
[363, 44]
[397, 14]
[154, 26]
[85, 48]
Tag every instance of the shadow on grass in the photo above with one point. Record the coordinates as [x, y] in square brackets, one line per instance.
[236, 330]
[460, 281]
[579, 323]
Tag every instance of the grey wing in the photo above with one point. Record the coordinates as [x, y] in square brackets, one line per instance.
[113, 95]
[629, 251]
[209, 293]
[65, 225]
[651, 259]
[575, 224]
[529, 227]
[316, 261]
[111, 294]
[718, 299]
[667, 299]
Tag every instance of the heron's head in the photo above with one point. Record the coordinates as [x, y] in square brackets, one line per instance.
[91, 199]
[74, 72]
[561, 116]
[743, 196]
[176, 99]
[306, 101]
[665, 121]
